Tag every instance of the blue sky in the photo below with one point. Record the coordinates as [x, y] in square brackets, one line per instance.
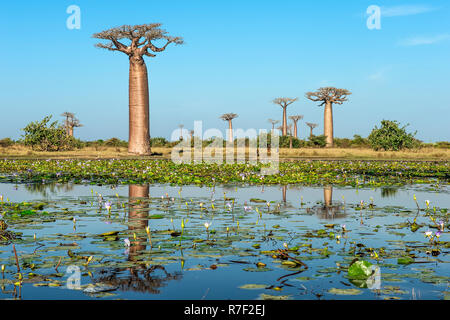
[238, 56]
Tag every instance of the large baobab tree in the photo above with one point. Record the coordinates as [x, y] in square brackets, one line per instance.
[295, 119]
[327, 96]
[229, 117]
[284, 103]
[70, 122]
[273, 122]
[139, 43]
[311, 126]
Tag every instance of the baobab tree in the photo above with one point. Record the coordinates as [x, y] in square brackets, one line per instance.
[311, 126]
[327, 96]
[70, 122]
[229, 117]
[273, 122]
[139, 43]
[191, 134]
[284, 103]
[295, 120]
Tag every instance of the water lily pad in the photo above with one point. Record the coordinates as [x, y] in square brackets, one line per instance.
[351, 292]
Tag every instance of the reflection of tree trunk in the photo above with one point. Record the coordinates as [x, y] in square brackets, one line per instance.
[329, 210]
[284, 188]
[137, 217]
[328, 195]
[328, 123]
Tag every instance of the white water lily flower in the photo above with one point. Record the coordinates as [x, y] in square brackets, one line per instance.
[207, 225]
[127, 242]
[428, 233]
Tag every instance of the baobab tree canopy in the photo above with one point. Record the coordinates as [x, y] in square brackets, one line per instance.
[140, 37]
[329, 94]
[284, 102]
[228, 116]
[296, 118]
[311, 125]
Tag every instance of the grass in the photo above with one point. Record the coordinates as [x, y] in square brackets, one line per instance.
[428, 153]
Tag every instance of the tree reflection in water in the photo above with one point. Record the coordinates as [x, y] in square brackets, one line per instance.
[139, 278]
[328, 210]
[388, 192]
[44, 189]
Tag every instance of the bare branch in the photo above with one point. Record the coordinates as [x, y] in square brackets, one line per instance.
[228, 116]
[328, 95]
[134, 34]
[284, 102]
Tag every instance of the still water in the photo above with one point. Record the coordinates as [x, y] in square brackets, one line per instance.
[222, 242]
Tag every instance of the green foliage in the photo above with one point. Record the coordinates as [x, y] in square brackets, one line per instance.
[6, 142]
[443, 145]
[42, 136]
[158, 142]
[391, 137]
[318, 141]
[359, 141]
[115, 142]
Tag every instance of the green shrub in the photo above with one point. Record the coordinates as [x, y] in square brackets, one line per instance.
[359, 141]
[43, 136]
[115, 142]
[343, 142]
[318, 141]
[391, 137]
[6, 142]
[443, 145]
[159, 142]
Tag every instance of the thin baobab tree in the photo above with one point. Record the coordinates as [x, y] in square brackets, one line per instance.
[191, 134]
[229, 117]
[139, 43]
[311, 126]
[295, 119]
[289, 130]
[328, 96]
[273, 122]
[70, 122]
[284, 103]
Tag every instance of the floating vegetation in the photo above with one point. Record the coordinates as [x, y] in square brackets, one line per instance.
[351, 173]
[98, 243]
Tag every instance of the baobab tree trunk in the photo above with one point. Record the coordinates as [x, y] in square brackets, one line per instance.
[284, 122]
[328, 124]
[230, 132]
[310, 134]
[139, 132]
[295, 130]
[71, 131]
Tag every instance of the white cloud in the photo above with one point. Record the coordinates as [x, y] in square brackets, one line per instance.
[379, 75]
[417, 41]
[405, 10]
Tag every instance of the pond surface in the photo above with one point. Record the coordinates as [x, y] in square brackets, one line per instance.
[276, 242]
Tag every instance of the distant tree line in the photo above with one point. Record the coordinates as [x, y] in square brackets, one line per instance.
[45, 135]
